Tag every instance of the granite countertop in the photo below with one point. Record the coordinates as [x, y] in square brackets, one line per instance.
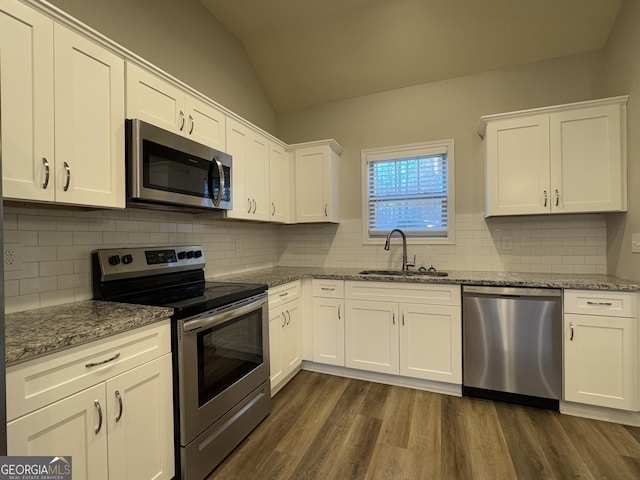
[42, 331]
[280, 275]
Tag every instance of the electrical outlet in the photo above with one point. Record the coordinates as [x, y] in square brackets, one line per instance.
[635, 243]
[9, 256]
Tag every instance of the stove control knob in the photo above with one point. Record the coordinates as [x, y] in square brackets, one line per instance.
[182, 255]
[197, 253]
[190, 254]
[127, 259]
[114, 260]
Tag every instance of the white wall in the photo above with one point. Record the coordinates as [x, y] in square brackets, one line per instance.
[622, 75]
[185, 40]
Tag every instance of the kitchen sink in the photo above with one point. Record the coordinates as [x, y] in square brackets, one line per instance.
[405, 273]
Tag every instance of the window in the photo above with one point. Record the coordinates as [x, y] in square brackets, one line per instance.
[409, 187]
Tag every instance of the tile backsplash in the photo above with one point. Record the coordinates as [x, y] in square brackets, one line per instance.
[536, 244]
[47, 250]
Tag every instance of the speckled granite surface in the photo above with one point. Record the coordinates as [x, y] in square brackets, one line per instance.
[33, 333]
[281, 275]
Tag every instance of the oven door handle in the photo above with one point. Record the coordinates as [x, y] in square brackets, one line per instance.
[222, 317]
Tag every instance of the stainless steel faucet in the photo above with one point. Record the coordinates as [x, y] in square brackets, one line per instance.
[405, 263]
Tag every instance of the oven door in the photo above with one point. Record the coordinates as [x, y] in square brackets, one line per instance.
[223, 356]
[167, 168]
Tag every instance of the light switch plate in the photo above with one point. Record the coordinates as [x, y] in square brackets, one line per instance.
[635, 243]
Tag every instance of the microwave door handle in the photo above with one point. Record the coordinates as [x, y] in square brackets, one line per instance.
[210, 182]
[218, 199]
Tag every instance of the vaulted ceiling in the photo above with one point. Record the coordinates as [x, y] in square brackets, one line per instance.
[312, 52]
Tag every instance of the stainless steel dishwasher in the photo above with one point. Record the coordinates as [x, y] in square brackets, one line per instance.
[512, 345]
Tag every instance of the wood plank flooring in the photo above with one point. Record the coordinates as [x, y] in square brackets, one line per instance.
[327, 427]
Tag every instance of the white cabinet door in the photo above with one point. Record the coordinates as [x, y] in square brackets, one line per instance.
[72, 427]
[257, 179]
[140, 422]
[431, 342]
[517, 166]
[317, 184]
[371, 336]
[292, 341]
[154, 100]
[26, 79]
[279, 183]
[277, 322]
[89, 117]
[205, 123]
[328, 331]
[250, 175]
[586, 160]
[601, 361]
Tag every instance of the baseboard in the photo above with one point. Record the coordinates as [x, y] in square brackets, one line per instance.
[601, 413]
[396, 380]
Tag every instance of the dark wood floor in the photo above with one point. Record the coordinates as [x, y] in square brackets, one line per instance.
[327, 427]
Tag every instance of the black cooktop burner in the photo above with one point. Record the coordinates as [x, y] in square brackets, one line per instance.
[215, 295]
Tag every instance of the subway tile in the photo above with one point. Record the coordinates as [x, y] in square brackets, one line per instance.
[50, 269]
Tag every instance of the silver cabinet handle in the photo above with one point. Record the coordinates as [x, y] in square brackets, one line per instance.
[181, 120]
[339, 316]
[600, 304]
[192, 124]
[273, 209]
[326, 209]
[288, 317]
[95, 364]
[545, 198]
[255, 206]
[284, 319]
[99, 409]
[249, 202]
[557, 197]
[119, 398]
[46, 172]
[393, 317]
[571, 327]
[68, 170]
[328, 289]
[284, 294]
[403, 319]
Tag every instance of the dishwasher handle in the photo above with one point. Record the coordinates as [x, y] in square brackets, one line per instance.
[511, 291]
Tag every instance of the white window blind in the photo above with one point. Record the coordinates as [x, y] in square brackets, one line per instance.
[410, 193]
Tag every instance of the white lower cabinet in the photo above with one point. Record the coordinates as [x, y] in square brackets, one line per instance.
[285, 333]
[601, 349]
[421, 339]
[119, 427]
[328, 322]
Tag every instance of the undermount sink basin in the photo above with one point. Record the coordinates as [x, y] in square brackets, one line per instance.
[405, 273]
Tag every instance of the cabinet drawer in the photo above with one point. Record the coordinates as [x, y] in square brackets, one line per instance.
[400, 292]
[283, 293]
[328, 288]
[594, 302]
[39, 382]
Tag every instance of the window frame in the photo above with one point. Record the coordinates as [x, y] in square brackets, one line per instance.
[408, 151]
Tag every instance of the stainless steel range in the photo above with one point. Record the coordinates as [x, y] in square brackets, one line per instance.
[220, 346]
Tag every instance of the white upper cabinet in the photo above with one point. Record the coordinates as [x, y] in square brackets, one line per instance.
[75, 153]
[165, 105]
[26, 89]
[564, 159]
[250, 174]
[89, 119]
[279, 183]
[317, 181]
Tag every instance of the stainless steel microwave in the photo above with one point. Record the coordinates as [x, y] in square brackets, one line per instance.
[167, 170]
